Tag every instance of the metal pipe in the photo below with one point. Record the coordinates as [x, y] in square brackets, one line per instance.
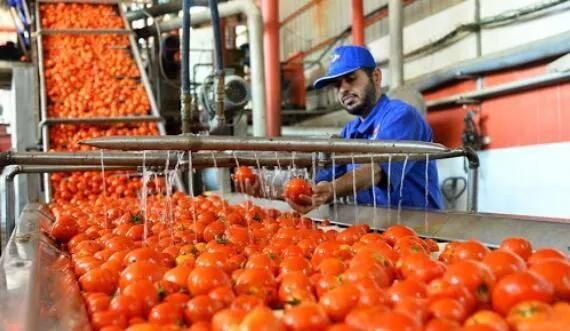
[255, 32]
[220, 119]
[185, 96]
[7, 209]
[494, 91]
[358, 23]
[302, 131]
[162, 9]
[270, 11]
[513, 57]
[221, 143]
[101, 120]
[396, 20]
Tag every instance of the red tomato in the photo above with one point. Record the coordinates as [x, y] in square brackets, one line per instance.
[395, 232]
[520, 246]
[471, 249]
[504, 262]
[557, 273]
[528, 312]
[64, 228]
[166, 313]
[306, 316]
[297, 187]
[546, 253]
[243, 174]
[490, 318]
[339, 301]
[520, 286]
[202, 280]
[228, 319]
[99, 280]
[201, 308]
[406, 288]
[420, 267]
[261, 318]
[475, 275]
[447, 308]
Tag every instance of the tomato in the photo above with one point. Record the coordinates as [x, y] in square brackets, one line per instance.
[262, 261]
[178, 275]
[440, 288]
[296, 188]
[504, 262]
[527, 312]
[144, 291]
[64, 229]
[85, 263]
[338, 302]
[489, 318]
[201, 308]
[166, 313]
[520, 246]
[258, 282]
[520, 286]
[370, 270]
[99, 280]
[127, 305]
[246, 302]
[245, 174]
[228, 319]
[178, 298]
[101, 319]
[341, 327]
[475, 275]
[447, 308]
[557, 273]
[471, 249]
[420, 267]
[141, 270]
[224, 294]
[439, 324]
[478, 327]
[97, 302]
[295, 263]
[413, 307]
[546, 253]
[261, 319]
[306, 316]
[202, 280]
[394, 232]
[331, 266]
[141, 254]
[406, 288]
[328, 249]
[379, 319]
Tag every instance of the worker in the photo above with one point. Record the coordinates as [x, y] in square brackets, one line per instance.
[357, 80]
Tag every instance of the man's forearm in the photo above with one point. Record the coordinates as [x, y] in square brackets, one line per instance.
[361, 178]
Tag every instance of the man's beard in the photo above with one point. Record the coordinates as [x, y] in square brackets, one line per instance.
[365, 104]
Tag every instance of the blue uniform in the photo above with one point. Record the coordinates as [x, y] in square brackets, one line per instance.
[394, 120]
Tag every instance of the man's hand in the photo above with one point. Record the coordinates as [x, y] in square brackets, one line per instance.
[247, 187]
[322, 193]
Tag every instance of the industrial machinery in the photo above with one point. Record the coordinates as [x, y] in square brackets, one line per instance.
[35, 272]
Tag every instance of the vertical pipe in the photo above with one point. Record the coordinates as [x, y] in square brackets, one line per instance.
[395, 18]
[270, 12]
[185, 96]
[473, 189]
[219, 65]
[358, 27]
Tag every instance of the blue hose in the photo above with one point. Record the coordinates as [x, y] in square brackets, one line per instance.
[219, 59]
[185, 74]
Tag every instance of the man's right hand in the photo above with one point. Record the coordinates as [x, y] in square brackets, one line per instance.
[322, 193]
[253, 189]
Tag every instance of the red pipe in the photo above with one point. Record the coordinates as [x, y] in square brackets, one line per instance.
[358, 22]
[270, 12]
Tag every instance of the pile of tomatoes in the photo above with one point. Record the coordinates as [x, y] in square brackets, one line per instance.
[91, 75]
[202, 264]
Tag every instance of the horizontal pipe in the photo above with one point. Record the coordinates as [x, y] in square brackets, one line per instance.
[162, 9]
[86, 161]
[224, 143]
[301, 131]
[502, 89]
[101, 120]
[95, 2]
[513, 57]
[83, 31]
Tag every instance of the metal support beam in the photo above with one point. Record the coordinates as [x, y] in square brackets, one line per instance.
[396, 23]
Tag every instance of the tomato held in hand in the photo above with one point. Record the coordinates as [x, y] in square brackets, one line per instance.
[244, 174]
[297, 187]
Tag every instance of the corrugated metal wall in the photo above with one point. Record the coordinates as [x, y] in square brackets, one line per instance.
[321, 20]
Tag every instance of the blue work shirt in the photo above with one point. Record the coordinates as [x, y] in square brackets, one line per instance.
[394, 120]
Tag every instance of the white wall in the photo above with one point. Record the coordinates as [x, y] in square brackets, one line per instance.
[529, 180]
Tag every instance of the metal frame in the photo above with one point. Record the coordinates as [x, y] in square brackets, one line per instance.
[45, 120]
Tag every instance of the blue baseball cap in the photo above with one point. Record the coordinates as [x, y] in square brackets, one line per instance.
[344, 60]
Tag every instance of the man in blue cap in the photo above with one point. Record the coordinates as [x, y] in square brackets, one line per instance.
[357, 80]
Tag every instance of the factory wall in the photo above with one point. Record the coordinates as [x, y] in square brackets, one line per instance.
[522, 130]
